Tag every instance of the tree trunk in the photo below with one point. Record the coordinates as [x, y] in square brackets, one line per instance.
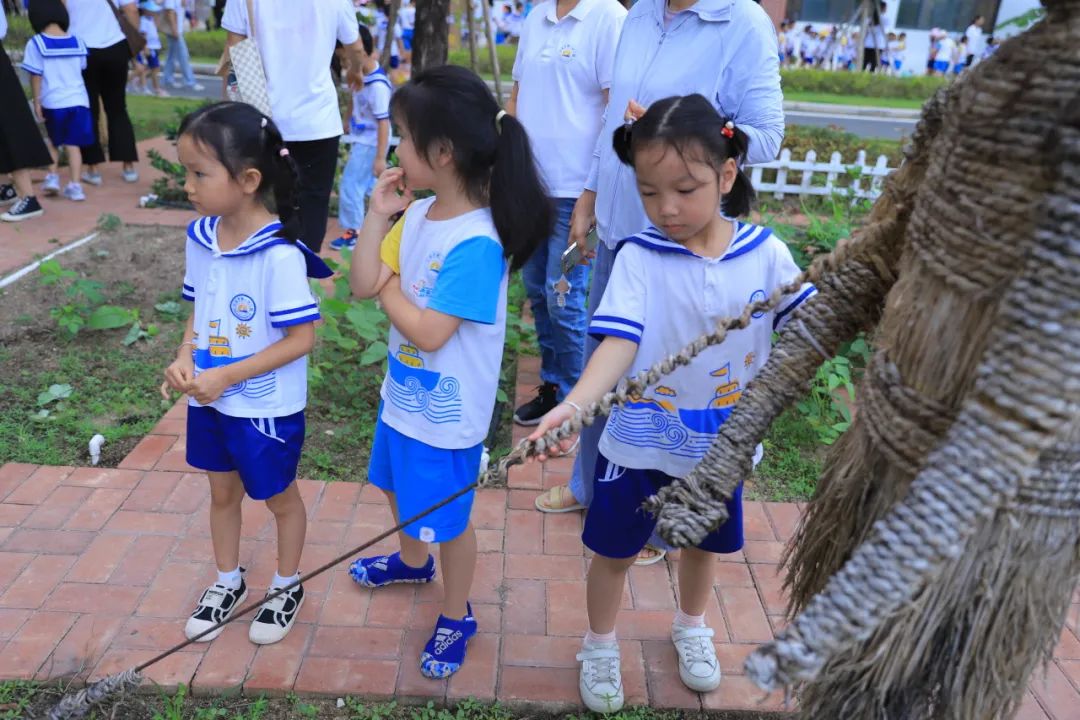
[430, 37]
[470, 26]
[493, 52]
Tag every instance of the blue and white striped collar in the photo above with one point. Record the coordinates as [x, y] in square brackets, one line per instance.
[747, 237]
[67, 46]
[204, 232]
[377, 75]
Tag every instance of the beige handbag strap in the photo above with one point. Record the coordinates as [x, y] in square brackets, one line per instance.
[251, 19]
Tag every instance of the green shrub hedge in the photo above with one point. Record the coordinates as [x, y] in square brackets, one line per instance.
[919, 87]
[826, 140]
[203, 44]
[506, 54]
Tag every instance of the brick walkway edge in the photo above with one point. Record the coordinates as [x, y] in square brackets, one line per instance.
[99, 567]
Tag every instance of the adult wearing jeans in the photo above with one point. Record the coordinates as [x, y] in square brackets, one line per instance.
[562, 73]
[108, 56]
[725, 50]
[173, 26]
[296, 43]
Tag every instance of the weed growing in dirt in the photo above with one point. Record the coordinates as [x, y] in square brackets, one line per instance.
[16, 697]
[108, 222]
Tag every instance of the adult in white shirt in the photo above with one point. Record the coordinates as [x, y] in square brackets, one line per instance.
[876, 39]
[172, 24]
[562, 73]
[93, 22]
[976, 41]
[21, 146]
[296, 42]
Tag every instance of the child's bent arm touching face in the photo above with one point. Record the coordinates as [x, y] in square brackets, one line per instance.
[425, 328]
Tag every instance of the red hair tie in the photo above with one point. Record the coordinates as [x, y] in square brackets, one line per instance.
[728, 130]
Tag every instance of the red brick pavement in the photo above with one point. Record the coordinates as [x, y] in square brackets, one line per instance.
[100, 566]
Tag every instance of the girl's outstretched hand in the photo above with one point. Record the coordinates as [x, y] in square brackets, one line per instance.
[391, 194]
[558, 415]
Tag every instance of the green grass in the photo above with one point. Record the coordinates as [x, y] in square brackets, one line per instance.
[792, 462]
[152, 115]
[860, 100]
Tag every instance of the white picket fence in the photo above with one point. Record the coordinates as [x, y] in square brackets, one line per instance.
[867, 184]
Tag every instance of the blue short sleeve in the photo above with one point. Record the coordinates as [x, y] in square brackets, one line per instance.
[470, 281]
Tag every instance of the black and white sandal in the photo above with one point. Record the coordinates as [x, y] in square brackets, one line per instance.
[216, 605]
[276, 617]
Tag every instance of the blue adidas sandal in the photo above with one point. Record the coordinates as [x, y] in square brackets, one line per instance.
[382, 570]
[445, 651]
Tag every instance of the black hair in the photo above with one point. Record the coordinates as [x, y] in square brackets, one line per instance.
[366, 39]
[691, 126]
[235, 133]
[491, 152]
[44, 13]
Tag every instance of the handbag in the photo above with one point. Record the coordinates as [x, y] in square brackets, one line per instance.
[250, 86]
[135, 40]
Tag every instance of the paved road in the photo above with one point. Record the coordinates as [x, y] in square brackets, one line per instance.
[867, 126]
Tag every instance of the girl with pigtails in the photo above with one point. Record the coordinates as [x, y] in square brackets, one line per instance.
[243, 361]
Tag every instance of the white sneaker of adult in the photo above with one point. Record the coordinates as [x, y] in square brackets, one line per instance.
[600, 681]
[130, 176]
[74, 191]
[698, 667]
[91, 178]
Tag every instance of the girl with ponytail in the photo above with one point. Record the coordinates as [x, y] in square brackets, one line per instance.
[243, 361]
[671, 283]
[441, 274]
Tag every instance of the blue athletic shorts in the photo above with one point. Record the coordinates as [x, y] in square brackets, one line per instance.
[420, 476]
[406, 38]
[264, 451]
[616, 526]
[941, 66]
[149, 58]
[69, 126]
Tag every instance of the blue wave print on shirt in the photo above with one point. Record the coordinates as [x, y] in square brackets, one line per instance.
[255, 387]
[685, 433]
[413, 389]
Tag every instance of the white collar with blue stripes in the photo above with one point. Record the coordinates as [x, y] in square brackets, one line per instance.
[204, 232]
[747, 237]
[377, 75]
[67, 46]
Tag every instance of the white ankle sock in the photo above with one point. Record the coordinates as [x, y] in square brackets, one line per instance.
[688, 621]
[280, 582]
[593, 639]
[229, 579]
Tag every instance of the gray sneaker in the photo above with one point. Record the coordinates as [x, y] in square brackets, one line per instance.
[131, 176]
[91, 178]
[74, 191]
[51, 186]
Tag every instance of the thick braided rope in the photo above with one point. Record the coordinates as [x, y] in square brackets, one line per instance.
[635, 386]
[1028, 393]
[78, 704]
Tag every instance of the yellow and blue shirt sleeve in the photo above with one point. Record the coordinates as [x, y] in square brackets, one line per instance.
[470, 281]
[390, 249]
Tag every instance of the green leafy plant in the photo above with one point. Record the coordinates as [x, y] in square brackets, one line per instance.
[169, 188]
[359, 711]
[825, 408]
[83, 307]
[108, 222]
[172, 706]
[15, 698]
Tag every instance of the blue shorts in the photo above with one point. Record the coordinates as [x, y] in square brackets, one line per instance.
[264, 451]
[616, 526]
[406, 38]
[420, 476]
[395, 62]
[941, 66]
[69, 126]
[149, 58]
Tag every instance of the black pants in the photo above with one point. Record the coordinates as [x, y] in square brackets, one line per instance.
[106, 78]
[871, 59]
[318, 161]
[21, 144]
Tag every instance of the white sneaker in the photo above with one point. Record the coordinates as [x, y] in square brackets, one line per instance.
[130, 176]
[600, 682]
[216, 605]
[51, 186]
[698, 667]
[74, 191]
[276, 617]
[197, 87]
[91, 178]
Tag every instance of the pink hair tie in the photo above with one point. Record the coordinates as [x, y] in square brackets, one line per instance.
[284, 152]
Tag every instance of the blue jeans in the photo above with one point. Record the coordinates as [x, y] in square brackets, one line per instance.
[581, 480]
[559, 330]
[583, 477]
[178, 52]
[357, 182]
